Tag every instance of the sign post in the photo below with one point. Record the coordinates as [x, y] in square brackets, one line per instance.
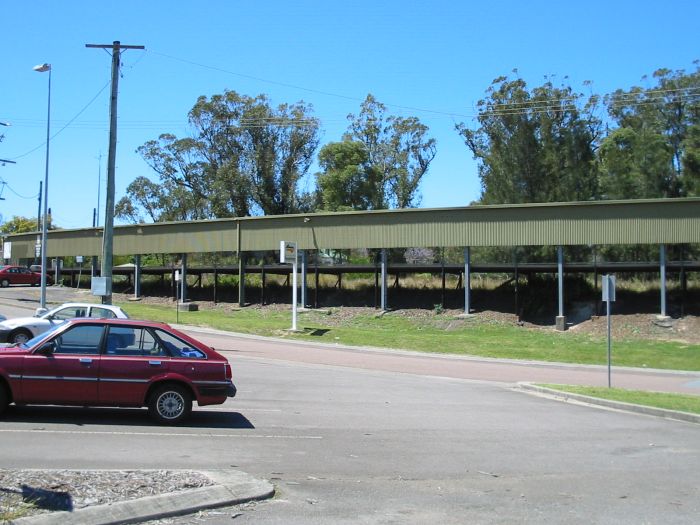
[79, 260]
[609, 297]
[177, 296]
[288, 254]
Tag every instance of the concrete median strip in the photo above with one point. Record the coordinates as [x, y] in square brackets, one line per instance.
[232, 487]
[608, 403]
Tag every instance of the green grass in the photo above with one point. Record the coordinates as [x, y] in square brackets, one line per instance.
[446, 335]
[680, 402]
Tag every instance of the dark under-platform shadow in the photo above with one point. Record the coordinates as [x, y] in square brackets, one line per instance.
[90, 416]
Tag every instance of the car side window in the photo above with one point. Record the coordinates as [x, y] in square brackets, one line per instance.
[132, 341]
[102, 313]
[83, 340]
[178, 348]
[70, 313]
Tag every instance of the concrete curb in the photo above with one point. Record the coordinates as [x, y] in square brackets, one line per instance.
[232, 488]
[618, 405]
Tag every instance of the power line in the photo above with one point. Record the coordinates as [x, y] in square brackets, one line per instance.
[302, 88]
[67, 124]
[4, 183]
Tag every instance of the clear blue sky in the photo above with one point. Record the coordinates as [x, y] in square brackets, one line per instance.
[436, 56]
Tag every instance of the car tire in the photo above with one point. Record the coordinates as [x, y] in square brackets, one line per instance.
[170, 404]
[19, 336]
[4, 283]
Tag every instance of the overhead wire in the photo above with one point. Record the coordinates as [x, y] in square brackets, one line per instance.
[5, 184]
[640, 98]
[66, 125]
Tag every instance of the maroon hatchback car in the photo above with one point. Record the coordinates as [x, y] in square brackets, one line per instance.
[115, 362]
[18, 275]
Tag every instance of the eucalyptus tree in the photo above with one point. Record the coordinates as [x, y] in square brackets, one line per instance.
[244, 157]
[655, 148]
[398, 154]
[534, 145]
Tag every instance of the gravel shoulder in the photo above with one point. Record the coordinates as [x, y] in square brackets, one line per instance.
[34, 492]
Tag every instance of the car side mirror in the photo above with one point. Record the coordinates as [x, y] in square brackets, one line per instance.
[47, 349]
[40, 311]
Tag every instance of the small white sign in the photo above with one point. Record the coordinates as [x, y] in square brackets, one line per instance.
[608, 288]
[100, 286]
[288, 252]
[79, 259]
[7, 250]
[177, 276]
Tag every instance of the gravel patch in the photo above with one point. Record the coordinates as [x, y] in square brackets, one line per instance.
[32, 492]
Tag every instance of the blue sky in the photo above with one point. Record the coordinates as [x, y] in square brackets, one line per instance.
[437, 57]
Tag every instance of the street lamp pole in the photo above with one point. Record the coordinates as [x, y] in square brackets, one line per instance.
[42, 68]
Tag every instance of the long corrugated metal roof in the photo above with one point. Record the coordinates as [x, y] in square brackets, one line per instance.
[651, 221]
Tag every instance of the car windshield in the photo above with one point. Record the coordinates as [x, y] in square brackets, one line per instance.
[33, 341]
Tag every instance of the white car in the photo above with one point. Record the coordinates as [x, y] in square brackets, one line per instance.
[23, 329]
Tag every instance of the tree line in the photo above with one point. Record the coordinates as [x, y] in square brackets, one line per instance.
[548, 143]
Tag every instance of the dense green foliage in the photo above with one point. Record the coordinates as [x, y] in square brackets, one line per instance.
[534, 146]
[546, 144]
[246, 157]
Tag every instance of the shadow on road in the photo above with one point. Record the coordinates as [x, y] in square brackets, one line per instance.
[83, 416]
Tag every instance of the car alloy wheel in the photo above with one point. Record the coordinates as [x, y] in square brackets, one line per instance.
[4, 283]
[170, 404]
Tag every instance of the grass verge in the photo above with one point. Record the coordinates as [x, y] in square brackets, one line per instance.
[680, 402]
[444, 335]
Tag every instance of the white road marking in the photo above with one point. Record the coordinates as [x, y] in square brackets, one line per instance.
[159, 434]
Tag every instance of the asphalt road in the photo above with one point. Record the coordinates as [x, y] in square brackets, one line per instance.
[354, 436]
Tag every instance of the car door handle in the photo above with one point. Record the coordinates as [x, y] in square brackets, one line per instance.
[154, 363]
[85, 361]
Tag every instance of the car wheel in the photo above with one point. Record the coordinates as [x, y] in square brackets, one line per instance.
[4, 283]
[19, 336]
[170, 404]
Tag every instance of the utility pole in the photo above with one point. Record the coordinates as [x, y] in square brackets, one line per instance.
[107, 237]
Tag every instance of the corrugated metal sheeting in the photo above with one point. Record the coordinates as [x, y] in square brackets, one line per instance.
[654, 221]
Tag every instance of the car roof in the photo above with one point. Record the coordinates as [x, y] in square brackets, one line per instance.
[87, 305]
[117, 322]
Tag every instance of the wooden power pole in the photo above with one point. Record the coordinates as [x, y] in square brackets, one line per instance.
[108, 233]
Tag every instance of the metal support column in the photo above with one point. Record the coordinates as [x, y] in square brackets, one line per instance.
[183, 295]
[467, 280]
[384, 279]
[662, 271]
[442, 275]
[316, 282]
[241, 279]
[137, 277]
[561, 319]
[262, 282]
[302, 303]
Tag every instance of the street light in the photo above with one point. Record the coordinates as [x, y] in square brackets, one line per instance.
[43, 68]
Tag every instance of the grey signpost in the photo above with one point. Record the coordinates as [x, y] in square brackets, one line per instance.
[609, 297]
[289, 254]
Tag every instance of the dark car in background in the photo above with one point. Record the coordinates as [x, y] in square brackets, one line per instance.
[115, 362]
